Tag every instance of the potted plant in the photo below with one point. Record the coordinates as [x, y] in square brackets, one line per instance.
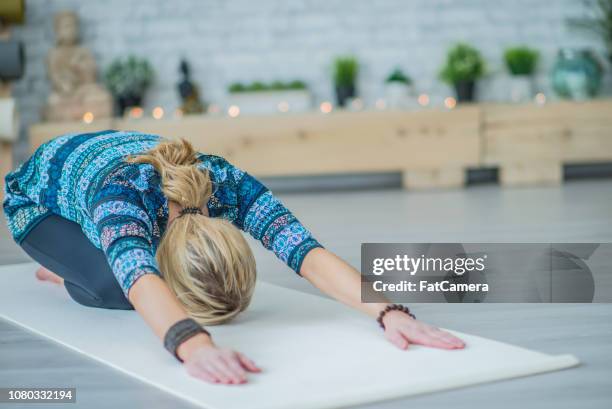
[464, 66]
[266, 98]
[128, 80]
[397, 89]
[600, 23]
[345, 78]
[521, 63]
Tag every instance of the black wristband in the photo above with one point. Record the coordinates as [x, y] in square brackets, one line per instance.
[181, 332]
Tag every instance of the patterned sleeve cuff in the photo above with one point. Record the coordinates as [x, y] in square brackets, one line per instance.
[127, 285]
[299, 253]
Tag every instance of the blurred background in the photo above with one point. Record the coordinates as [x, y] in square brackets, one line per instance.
[229, 42]
[69, 63]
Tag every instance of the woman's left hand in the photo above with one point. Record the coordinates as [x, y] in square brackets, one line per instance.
[402, 330]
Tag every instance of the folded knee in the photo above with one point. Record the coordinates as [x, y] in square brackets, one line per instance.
[99, 296]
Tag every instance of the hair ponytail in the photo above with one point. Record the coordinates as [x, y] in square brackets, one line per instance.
[205, 261]
[182, 181]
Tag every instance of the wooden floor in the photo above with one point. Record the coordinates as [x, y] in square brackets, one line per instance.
[575, 212]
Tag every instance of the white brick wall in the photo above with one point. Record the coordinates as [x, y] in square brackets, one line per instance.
[245, 40]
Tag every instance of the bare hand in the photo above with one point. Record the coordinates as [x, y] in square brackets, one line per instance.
[402, 330]
[219, 365]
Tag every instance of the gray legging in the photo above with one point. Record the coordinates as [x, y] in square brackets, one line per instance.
[60, 245]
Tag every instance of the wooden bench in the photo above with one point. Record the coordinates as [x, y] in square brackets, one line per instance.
[530, 143]
[431, 148]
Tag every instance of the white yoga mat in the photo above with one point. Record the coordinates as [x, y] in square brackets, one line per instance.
[315, 353]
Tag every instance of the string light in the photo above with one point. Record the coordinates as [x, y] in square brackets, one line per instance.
[380, 104]
[326, 107]
[283, 106]
[450, 102]
[88, 117]
[233, 111]
[423, 100]
[158, 112]
[540, 98]
[136, 112]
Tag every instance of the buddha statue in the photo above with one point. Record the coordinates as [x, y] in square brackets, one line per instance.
[72, 72]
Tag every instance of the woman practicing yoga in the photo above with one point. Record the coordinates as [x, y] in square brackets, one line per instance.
[133, 221]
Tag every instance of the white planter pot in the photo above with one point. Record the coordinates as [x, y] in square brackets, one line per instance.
[9, 122]
[521, 88]
[397, 95]
[270, 102]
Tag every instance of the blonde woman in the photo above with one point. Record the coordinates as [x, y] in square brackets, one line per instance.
[126, 220]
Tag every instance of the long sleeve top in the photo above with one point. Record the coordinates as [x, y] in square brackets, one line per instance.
[121, 208]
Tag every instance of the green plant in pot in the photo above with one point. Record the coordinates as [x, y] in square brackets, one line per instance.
[521, 62]
[397, 89]
[346, 70]
[397, 76]
[259, 86]
[600, 23]
[128, 80]
[464, 66]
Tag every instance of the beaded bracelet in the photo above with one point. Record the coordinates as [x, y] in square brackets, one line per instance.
[393, 307]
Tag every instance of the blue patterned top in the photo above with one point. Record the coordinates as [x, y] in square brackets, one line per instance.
[121, 208]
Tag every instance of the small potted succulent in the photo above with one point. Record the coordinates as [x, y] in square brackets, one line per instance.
[521, 63]
[464, 66]
[266, 98]
[128, 80]
[397, 89]
[345, 74]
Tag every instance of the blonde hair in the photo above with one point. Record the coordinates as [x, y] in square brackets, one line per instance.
[205, 261]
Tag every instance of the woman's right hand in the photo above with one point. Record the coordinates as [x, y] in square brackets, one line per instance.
[160, 308]
[205, 361]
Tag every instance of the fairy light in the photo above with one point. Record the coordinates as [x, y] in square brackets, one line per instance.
[136, 112]
[423, 100]
[88, 117]
[380, 104]
[450, 102]
[158, 112]
[540, 98]
[283, 106]
[326, 107]
[233, 111]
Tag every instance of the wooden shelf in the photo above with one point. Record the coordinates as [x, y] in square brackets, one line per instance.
[432, 148]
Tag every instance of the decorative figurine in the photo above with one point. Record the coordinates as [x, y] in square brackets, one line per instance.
[189, 92]
[72, 72]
